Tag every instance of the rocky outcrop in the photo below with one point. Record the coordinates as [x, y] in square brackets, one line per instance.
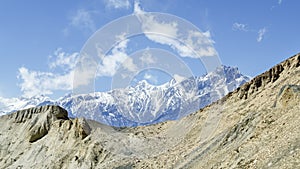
[288, 96]
[29, 136]
[267, 77]
[38, 120]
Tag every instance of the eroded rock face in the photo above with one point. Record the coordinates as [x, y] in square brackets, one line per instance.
[39, 120]
[269, 76]
[51, 112]
[28, 137]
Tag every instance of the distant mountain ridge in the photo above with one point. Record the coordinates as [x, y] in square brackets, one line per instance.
[144, 103]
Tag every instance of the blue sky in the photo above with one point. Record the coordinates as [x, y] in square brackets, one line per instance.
[41, 40]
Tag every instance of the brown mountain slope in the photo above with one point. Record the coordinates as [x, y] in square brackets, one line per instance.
[256, 126]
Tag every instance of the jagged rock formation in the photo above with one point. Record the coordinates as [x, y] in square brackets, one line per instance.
[256, 126]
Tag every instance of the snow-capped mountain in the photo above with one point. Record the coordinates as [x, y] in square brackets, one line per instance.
[144, 103]
[14, 104]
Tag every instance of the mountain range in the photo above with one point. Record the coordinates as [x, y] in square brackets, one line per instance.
[142, 104]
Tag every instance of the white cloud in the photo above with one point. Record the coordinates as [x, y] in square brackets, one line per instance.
[36, 82]
[152, 26]
[85, 70]
[111, 63]
[195, 44]
[63, 60]
[117, 4]
[279, 2]
[151, 78]
[202, 46]
[147, 58]
[102, 64]
[137, 8]
[243, 27]
[261, 34]
[201, 42]
[83, 20]
[129, 65]
[239, 27]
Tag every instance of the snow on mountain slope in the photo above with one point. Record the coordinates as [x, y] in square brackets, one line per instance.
[14, 104]
[142, 104]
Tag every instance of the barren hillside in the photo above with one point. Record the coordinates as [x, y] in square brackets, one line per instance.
[256, 126]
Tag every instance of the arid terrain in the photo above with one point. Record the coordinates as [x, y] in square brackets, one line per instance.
[256, 126]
